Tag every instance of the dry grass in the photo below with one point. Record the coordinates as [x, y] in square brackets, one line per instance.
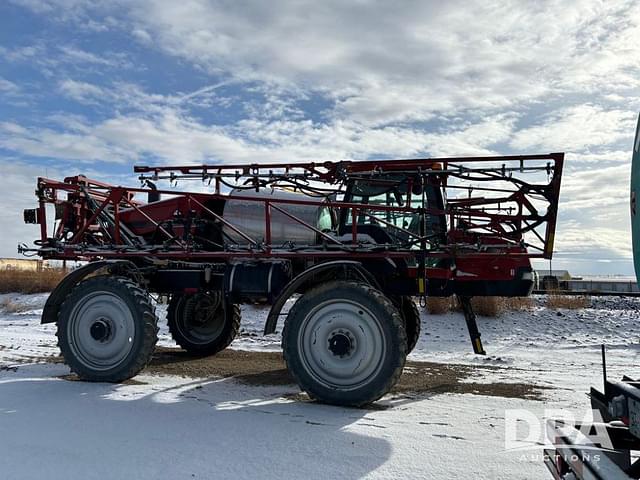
[28, 281]
[517, 304]
[439, 305]
[485, 306]
[572, 302]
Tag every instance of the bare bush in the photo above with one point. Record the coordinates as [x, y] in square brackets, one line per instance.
[517, 304]
[485, 306]
[572, 302]
[30, 281]
[439, 305]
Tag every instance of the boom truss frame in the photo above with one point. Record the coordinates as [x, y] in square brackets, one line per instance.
[519, 212]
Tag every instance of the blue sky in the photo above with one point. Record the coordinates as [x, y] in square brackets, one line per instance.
[96, 87]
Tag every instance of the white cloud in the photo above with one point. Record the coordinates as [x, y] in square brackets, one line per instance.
[594, 218]
[78, 56]
[48, 143]
[8, 87]
[82, 92]
[585, 242]
[62, 10]
[52, 59]
[576, 128]
[383, 63]
[22, 54]
[22, 179]
[142, 35]
[162, 129]
[596, 187]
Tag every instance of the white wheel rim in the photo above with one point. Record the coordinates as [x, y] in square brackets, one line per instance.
[341, 344]
[101, 330]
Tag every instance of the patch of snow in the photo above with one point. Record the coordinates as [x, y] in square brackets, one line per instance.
[168, 427]
[176, 428]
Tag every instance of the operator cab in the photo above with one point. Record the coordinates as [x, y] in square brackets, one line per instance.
[418, 211]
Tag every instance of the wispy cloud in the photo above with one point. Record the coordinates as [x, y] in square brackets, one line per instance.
[82, 92]
[577, 128]
[76, 55]
[8, 87]
[40, 54]
[48, 143]
[385, 63]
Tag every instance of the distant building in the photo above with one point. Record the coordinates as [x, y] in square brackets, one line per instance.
[561, 275]
[603, 286]
[550, 279]
[21, 264]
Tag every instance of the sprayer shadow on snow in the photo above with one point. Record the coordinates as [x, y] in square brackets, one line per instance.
[179, 428]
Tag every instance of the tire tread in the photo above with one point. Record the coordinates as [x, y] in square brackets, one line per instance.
[411, 316]
[229, 334]
[289, 347]
[144, 309]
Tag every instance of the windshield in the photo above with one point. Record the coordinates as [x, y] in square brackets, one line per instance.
[402, 226]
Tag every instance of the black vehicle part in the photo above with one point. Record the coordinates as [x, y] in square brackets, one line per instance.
[178, 280]
[411, 318]
[107, 329]
[472, 326]
[345, 343]
[576, 457]
[605, 448]
[200, 324]
[343, 268]
[30, 216]
[66, 285]
[520, 286]
[256, 280]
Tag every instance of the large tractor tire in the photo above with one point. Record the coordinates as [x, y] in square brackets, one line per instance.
[199, 325]
[411, 318]
[344, 343]
[107, 329]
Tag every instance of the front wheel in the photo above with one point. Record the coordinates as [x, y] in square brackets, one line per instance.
[345, 343]
[107, 329]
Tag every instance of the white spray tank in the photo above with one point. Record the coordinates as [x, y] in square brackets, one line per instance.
[249, 216]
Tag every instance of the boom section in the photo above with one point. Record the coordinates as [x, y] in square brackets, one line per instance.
[428, 209]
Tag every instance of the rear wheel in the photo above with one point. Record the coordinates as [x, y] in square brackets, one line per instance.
[107, 329]
[411, 318]
[199, 323]
[344, 343]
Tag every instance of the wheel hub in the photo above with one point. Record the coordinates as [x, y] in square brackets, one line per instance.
[341, 343]
[100, 330]
[202, 319]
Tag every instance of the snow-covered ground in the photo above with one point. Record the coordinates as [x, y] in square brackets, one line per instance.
[174, 427]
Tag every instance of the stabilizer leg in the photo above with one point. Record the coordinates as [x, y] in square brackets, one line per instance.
[472, 326]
